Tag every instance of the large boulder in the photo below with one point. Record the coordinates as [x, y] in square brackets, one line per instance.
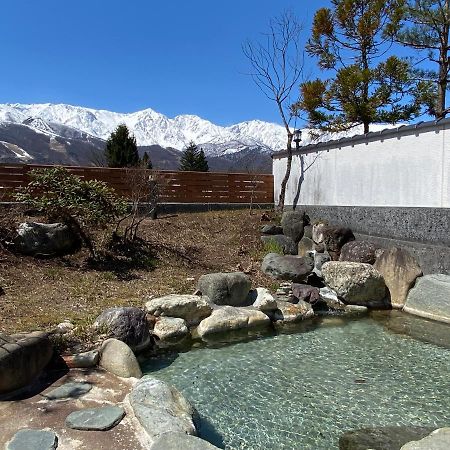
[430, 298]
[181, 441]
[46, 239]
[386, 438]
[225, 288]
[358, 251]
[289, 268]
[160, 408]
[228, 318]
[293, 223]
[400, 271]
[117, 358]
[128, 324]
[356, 283]
[288, 312]
[262, 299]
[22, 358]
[335, 238]
[437, 440]
[305, 246]
[288, 246]
[170, 329]
[192, 308]
[271, 229]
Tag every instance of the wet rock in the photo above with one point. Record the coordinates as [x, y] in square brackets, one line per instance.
[356, 283]
[46, 239]
[430, 298]
[358, 251]
[262, 299]
[228, 318]
[83, 360]
[127, 324]
[225, 288]
[290, 268]
[95, 419]
[192, 308]
[170, 329]
[23, 357]
[305, 246]
[272, 229]
[117, 358]
[293, 223]
[385, 438]
[400, 271]
[437, 440]
[28, 439]
[160, 408]
[289, 312]
[181, 441]
[68, 390]
[288, 246]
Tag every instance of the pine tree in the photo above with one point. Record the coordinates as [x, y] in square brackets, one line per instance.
[350, 41]
[146, 162]
[193, 159]
[121, 148]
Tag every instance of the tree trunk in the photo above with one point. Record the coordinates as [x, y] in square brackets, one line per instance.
[287, 174]
[443, 71]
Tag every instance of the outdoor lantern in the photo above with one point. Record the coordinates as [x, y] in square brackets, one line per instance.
[297, 137]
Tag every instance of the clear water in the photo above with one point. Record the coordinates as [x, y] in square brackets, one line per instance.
[303, 390]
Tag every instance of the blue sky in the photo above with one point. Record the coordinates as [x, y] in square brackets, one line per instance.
[177, 57]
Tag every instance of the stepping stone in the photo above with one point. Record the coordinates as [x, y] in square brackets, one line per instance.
[69, 390]
[95, 419]
[33, 440]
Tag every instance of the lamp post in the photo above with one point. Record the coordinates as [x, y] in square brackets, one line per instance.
[297, 138]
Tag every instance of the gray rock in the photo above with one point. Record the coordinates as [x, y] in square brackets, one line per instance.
[46, 239]
[437, 440]
[192, 308]
[83, 360]
[160, 408]
[305, 246]
[68, 390]
[305, 292]
[271, 229]
[181, 441]
[335, 238]
[225, 288]
[430, 298]
[289, 312]
[170, 329]
[358, 251]
[385, 438]
[117, 358]
[95, 419]
[128, 324]
[288, 246]
[262, 299]
[307, 231]
[23, 357]
[319, 260]
[229, 318]
[290, 268]
[356, 283]
[33, 440]
[329, 301]
[293, 223]
[400, 271]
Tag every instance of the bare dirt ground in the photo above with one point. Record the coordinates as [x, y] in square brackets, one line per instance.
[40, 293]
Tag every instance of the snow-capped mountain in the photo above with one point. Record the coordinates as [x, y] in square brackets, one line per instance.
[153, 128]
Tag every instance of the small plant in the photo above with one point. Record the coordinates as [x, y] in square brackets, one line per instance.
[272, 246]
[80, 204]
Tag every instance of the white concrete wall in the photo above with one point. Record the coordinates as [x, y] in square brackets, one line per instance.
[407, 167]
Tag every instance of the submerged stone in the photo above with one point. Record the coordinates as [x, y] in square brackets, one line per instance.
[33, 440]
[95, 419]
[181, 441]
[68, 390]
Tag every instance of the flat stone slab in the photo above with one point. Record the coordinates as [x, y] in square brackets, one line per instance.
[95, 419]
[69, 390]
[181, 441]
[33, 440]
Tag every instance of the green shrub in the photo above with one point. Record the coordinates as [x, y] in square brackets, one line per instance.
[80, 204]
[272, 246]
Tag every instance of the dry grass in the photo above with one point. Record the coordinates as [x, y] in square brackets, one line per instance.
[42, 293]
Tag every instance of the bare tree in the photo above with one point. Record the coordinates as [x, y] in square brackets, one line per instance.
[277, 65]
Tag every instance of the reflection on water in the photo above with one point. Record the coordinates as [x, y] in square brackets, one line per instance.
[303, 388]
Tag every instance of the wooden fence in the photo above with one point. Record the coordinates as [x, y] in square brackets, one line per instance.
[175, 187]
